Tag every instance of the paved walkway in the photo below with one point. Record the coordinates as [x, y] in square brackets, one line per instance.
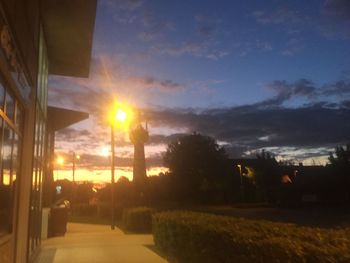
[98, 243]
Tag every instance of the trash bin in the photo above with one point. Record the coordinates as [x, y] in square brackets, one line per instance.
[59, 218]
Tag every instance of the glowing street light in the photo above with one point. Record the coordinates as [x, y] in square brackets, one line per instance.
[121, 118]
[60, 160]
[120, 115]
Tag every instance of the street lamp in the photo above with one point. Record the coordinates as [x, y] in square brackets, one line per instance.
[121, 117]
[241, 188]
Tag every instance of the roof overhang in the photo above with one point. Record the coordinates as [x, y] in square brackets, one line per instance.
[59, 118]
[68, 27]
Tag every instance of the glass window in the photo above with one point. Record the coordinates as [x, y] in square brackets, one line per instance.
[2, 95]
[7, 184]
[19, 117]
[10, 106]
[39, 154]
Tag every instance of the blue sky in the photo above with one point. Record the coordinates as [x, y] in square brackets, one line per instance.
[267, 74]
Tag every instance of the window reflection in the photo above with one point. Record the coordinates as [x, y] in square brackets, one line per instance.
[10, 106]
[8, 178]
[2, 96]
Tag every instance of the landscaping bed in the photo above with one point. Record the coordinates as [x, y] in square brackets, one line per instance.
[200, 237]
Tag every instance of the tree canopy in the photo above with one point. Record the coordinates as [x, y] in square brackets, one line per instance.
[198, 161]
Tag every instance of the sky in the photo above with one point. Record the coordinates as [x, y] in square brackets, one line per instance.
[254, 75]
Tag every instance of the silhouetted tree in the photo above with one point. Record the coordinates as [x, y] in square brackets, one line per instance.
[267, 175]
[341, 158]
[84, 192]
[199, 166]
[340, 163]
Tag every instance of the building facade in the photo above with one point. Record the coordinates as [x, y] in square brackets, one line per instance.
[37, 38]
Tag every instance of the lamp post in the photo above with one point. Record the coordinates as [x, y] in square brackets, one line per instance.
[112, 175]
[119, 116]
[241, 187]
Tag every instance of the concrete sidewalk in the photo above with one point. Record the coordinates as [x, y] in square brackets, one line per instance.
[98, 243]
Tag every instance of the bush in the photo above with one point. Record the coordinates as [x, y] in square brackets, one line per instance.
[138, 219]
[84, 210]
[198, 237]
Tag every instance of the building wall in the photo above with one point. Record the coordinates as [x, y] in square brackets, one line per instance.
[23, 18]
[23, 111]
[19, 60]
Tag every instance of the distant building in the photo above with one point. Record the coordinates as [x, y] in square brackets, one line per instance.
[37, 38]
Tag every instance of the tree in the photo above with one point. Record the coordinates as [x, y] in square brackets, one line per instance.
[342, 157]
[267, 175]
[198, 165]
[340, 164]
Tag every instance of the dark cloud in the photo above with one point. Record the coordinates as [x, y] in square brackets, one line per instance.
[71, 135]
[207, 26]
[339, 88]
[163, 85]
[250, 127]
[345, 104]
[304, 88]
[204, 49]
[154, 27]
[319, 123]
[337, 8]
[164, 139]
[127, 5]
[332, 20]
[279, 16]
[285, 91]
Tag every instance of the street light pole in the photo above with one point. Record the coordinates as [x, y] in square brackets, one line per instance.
[119, 115]
[112, 175]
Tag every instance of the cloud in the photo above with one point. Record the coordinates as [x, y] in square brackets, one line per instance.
[337, 8]
[293, 47]
[243, 127]
[268, 123]
[207, 26]
[154, 27]
[202, 49]
[127, 5]
[339, 88]
[285, 91]
[107, 81]
[331, 20]
[164, 139]
[304, 88]
[279, 16]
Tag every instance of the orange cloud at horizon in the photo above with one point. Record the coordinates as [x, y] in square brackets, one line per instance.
[102, 175]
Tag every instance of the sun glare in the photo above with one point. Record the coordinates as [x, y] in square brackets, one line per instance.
[105, 151]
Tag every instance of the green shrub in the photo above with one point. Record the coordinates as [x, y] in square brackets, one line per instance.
[138, 219]
[198, 237]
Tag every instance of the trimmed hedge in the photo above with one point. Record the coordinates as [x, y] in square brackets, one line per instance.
[199, 237]
[138, 219]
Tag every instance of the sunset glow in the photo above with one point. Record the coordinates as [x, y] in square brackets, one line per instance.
[102, 175]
